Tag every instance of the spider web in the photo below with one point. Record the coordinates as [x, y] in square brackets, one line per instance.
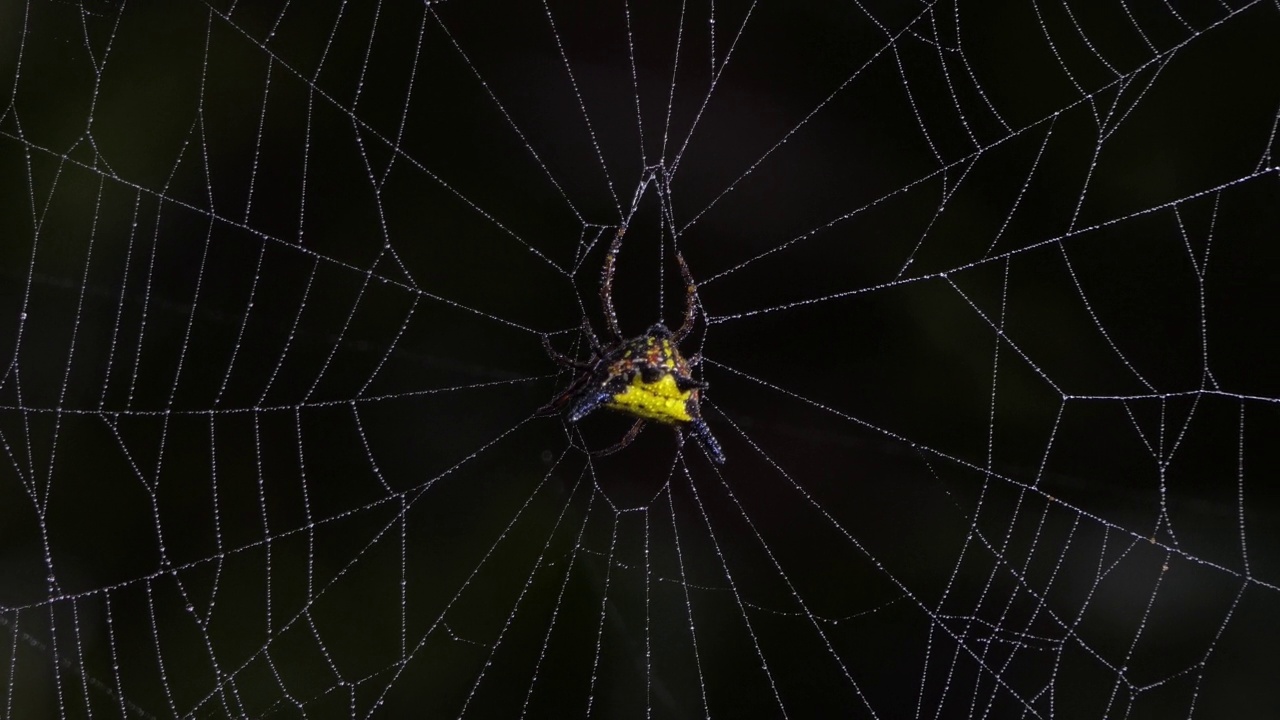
[987, 323]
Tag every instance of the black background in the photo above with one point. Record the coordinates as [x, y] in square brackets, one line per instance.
[223, 493]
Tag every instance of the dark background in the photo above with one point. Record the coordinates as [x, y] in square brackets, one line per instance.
[275, 280]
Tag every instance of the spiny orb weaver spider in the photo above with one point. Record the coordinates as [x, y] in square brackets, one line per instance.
[645, 377]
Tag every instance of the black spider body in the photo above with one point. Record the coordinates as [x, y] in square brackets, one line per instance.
[646, 376]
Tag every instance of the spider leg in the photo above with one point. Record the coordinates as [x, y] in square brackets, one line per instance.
[625, 441]
[592, 340]
[561, 359]
[558, 402]
[606, 284]
[690, 300]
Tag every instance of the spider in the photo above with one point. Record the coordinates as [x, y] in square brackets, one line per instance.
[645, 376]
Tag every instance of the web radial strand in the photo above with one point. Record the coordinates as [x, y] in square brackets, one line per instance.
[299, 304]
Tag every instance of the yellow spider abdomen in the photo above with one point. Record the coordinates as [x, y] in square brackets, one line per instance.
[660, 401]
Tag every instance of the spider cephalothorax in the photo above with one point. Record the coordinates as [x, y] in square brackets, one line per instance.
[645, 377]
